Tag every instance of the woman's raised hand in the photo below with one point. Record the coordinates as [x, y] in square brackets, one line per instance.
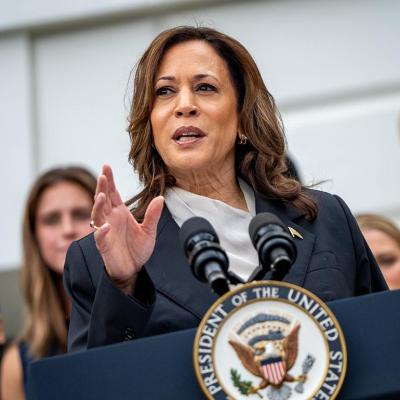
[124, 244]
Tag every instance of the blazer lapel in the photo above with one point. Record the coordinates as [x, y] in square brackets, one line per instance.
[288, 214]
[171, 273]
[170, 270]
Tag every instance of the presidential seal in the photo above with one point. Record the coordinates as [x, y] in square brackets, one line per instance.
[270, 340]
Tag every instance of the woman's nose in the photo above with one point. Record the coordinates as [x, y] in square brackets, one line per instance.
[186, 105]
[68, 227]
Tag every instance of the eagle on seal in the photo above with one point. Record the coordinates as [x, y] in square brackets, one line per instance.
[268, 349]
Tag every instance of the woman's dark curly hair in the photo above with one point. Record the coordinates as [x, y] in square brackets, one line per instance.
[260, 162]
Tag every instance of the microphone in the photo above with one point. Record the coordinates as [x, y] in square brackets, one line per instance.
[207, 260]
[275, 247]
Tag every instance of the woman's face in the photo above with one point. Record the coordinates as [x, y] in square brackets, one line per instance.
[387, 253]
[62, 216]
[194, 117]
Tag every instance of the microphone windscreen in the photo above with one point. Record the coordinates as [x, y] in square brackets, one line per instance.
[261, 220]
[193, 226]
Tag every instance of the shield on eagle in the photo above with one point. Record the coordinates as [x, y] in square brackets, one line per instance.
[274, 370]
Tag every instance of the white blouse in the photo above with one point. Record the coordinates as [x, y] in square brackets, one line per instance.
[231, 224]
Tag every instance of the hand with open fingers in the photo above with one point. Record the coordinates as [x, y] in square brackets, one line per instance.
[124, 244]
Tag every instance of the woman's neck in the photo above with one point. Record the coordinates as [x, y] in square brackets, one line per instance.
[222, 187]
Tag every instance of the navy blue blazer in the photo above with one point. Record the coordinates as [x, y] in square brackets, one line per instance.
[333, 261]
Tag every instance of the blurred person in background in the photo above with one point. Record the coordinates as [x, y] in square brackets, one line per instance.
[57, 212]
[383, 238]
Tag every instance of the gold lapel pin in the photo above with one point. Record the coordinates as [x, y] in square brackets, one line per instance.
[294, 233]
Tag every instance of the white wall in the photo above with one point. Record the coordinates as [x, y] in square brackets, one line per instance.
[16, 142]
[32, 14]
[82, 78]
[334, 68]
[355, 145]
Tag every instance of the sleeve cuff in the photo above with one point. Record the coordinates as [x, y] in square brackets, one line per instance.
[118, 317]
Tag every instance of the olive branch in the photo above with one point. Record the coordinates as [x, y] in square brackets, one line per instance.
[245, 387]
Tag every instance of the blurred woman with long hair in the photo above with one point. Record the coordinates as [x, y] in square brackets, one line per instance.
[57, 212]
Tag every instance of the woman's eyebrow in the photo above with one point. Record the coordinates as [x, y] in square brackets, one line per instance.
[49, 213]
[198, 77]
[195, 77]
[202, 76]
[166, 78]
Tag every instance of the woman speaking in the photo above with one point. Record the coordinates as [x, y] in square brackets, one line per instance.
[206, 140]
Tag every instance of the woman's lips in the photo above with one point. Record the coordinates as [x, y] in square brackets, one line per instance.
[188, 135]
[188, 141]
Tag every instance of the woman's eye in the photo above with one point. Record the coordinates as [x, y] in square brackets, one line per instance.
[164, 91]
[51, 219]
[206, 87]
[81, 214]
[386, 262]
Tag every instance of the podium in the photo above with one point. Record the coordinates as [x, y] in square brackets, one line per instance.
[161, 367]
